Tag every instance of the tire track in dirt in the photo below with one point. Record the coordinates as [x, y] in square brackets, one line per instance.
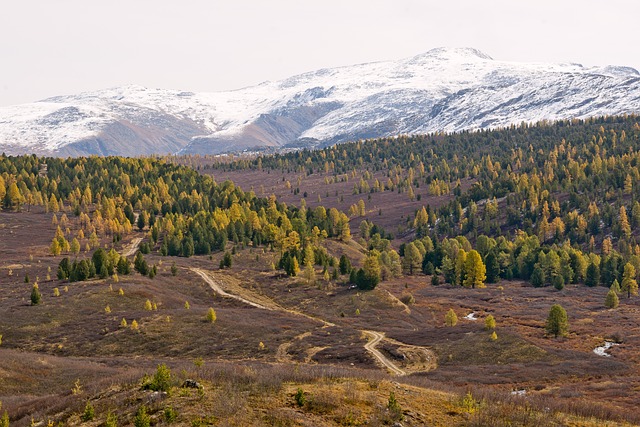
[259, 301]
[371, 348]
[132, 247]
[215, 285]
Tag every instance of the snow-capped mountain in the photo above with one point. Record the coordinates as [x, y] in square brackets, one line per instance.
[441, 90]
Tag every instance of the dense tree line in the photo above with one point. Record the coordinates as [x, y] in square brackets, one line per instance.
[555, 203]
[183, 212]
[552, 203]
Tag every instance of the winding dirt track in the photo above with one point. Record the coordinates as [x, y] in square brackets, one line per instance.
[132, 247]
[371, 348]
[216, 288]
[265, 303]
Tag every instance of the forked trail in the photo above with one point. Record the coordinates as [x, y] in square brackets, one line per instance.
[260, 301]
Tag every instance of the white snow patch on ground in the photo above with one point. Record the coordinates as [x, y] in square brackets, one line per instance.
[602, 350]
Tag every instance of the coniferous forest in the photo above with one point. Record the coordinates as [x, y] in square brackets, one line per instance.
[543, 202]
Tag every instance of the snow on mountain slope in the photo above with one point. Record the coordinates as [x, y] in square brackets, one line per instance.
[440, 90]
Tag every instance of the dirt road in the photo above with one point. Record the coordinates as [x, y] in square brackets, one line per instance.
[213, 283]
[132, 247]
[371, 348]
[267, 304]
[247, 296]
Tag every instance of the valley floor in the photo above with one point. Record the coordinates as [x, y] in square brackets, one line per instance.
[277, 338]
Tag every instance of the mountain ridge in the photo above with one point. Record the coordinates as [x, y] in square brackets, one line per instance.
[444, 89]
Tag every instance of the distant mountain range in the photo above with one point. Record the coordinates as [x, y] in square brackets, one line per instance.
[441, 90]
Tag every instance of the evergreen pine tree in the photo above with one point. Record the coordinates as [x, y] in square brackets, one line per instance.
[493, 267]
[557, 321]
[592, 277]
[474, 270]
[142, 419]
[612, 300]
[36, 297]
[537, 277]
[451, 319]
[629, 284]
[558, 282]
[211, 315]
[174, 269]
[345, 265]
[89, 413]
[615, 286]
[489, 322]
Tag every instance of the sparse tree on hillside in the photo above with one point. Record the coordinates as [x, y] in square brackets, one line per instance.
[623, 223]
[361, 208]
[309, 270]
[13, 198]
[612, 300]
[489, 322]
[55, 248]
[142, 419]
[615, 287]
[537, 277]
[227, 260]
[460, 267]
[557, 321]
[36, 297]
[294, 267]
[629, 284]
[211, 315]
[451, 319]
[143, 219]
[558, 282]
[3, 188]
[140, 264]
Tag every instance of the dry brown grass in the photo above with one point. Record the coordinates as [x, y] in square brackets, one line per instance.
[47, 348]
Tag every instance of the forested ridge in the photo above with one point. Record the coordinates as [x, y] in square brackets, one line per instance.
[553, 203]
[533, 193]
[184, 213]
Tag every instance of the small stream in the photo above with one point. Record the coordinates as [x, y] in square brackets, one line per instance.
[602, 350]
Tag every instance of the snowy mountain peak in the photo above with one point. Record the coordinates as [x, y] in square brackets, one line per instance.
[455, 54]
[444, 89]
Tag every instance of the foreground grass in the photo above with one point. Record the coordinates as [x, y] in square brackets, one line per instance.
[258, 394]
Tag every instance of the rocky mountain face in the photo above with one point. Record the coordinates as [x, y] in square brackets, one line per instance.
[441, 90]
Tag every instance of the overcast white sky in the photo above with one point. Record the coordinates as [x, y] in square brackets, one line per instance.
[60, 47]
